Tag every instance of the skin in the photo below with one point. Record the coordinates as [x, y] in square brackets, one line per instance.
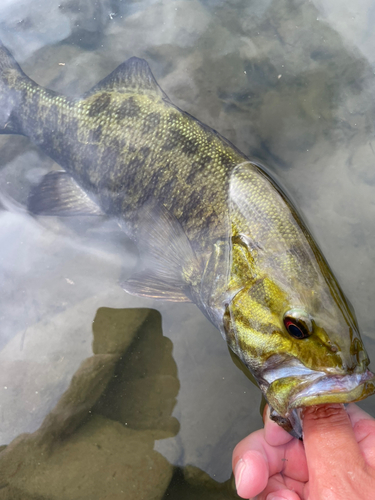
[336, 460]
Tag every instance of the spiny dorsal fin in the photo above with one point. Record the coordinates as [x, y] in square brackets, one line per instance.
[134, 75]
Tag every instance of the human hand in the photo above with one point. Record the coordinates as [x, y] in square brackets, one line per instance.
[336, 460]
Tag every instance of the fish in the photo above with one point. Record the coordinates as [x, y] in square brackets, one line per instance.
[212, 227]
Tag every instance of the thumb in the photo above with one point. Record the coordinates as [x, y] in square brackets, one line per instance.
[330, 445]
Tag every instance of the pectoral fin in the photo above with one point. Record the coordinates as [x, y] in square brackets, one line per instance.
[150, 284]
[58, 194]
[170, 266]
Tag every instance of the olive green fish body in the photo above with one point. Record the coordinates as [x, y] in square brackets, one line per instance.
[211, 226]
[125, 147]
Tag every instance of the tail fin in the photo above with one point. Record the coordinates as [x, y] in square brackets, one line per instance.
[11, 75]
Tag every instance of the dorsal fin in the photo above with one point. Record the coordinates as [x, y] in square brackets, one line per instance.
[134, 75]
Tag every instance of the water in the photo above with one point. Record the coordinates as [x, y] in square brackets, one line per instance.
[288, 82]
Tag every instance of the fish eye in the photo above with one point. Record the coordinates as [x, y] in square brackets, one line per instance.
[298, 324]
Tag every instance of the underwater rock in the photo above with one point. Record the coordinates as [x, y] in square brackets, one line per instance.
[148, 403]
[88, 20]
[74, 406]
[87, 383]
[38, 364]
[36, 367]
[192, 483]
[114, 329]
[182, 22]
[143, 392]
[102, 460]
[198, 478]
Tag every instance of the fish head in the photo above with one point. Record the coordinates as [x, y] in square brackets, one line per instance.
[302, 344]
[289, 321]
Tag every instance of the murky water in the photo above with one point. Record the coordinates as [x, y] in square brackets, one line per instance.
[118, 405]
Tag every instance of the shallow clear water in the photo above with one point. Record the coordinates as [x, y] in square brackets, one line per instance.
[290, 83]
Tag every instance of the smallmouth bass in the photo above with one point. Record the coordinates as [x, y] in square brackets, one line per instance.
[211, 225]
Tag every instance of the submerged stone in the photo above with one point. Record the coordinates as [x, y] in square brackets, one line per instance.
[102, 460]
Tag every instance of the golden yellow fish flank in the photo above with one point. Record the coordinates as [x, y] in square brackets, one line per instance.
[212, 227]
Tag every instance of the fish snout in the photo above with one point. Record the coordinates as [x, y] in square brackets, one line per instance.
[356, 360]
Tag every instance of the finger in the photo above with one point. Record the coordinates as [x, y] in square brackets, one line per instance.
[330, 444]
[255, 460]
[251, 474]
[294, 459]
[289, 458]
[356, 413]
[364, 431]
[283, 495]
[273, 433]
[279, 487]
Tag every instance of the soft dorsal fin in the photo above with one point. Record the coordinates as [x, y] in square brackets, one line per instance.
[134, 75]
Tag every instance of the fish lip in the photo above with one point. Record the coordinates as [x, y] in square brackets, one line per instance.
[294, 369]
[312, 389]
[335, 389]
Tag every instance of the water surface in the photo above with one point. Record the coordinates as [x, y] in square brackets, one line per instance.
[291, 84]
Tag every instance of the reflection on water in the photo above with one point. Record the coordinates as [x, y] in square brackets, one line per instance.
[289, 82]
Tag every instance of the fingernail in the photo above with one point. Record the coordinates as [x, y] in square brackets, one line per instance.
[274, 497]
[238, 472]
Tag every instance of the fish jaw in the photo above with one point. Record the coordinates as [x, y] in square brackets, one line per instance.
[287, 396]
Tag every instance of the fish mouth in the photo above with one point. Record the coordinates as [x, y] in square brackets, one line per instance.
[335, 389]
[293, 388]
